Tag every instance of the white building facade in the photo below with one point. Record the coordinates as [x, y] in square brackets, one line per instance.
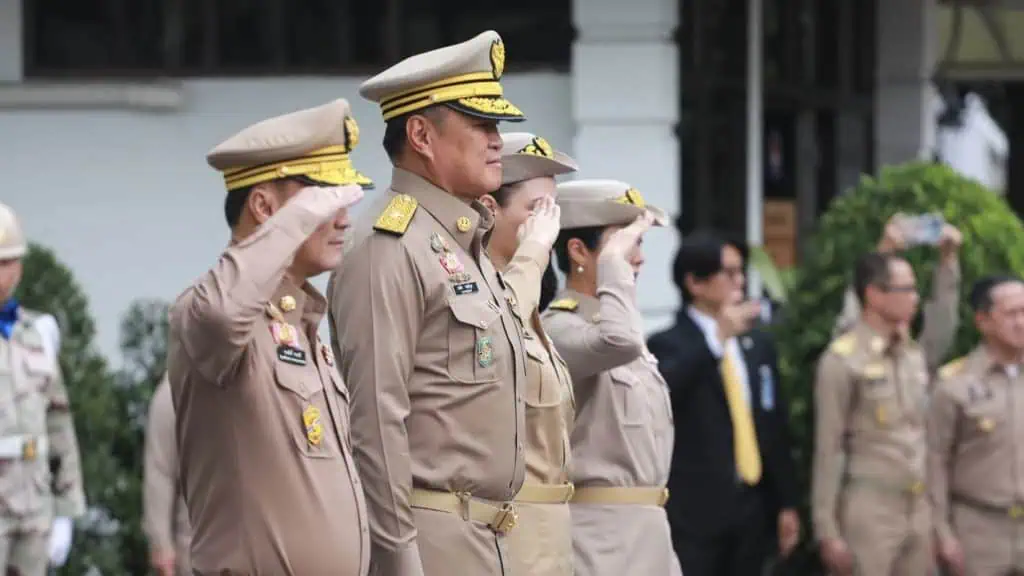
[110, 173]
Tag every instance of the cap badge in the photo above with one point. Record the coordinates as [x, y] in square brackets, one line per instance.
[497, 58]
[351, 133]
[538, 147]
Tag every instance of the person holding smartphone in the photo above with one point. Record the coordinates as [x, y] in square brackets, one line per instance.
[733, 484]
[940, 313]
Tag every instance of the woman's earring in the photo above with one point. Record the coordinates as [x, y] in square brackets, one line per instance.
[579, 269]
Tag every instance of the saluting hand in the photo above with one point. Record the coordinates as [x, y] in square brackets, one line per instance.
[326, 201]
[543, 224]
[735, 319]
[622, 241]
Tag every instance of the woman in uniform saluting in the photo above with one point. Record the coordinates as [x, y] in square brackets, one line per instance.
[623, 436]
[526, 223]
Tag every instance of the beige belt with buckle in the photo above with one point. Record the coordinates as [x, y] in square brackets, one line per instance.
[915, 488]
[499, 518]
[545, 493]
[24, 447]
[1014, 512]
[637, 496]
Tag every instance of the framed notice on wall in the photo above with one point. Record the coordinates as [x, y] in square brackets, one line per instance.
[780, 231]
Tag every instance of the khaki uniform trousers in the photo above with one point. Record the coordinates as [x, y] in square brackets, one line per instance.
[888, 529]
[992, 539]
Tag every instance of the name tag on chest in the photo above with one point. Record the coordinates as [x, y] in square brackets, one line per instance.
[466, 288]
[291, 355]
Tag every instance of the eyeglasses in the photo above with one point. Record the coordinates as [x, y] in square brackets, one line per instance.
[899, 289]
[732, 271]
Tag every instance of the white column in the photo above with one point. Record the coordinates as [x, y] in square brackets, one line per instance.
[907, 52]
[625, 83]
[10, 41]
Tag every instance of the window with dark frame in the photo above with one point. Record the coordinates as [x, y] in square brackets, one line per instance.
[168, 38]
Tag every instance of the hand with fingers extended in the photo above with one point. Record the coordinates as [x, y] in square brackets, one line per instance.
[543, 224]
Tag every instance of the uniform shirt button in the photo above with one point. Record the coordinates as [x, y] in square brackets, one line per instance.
[519, 446]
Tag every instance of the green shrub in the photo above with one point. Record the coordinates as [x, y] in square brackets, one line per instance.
[852, 225]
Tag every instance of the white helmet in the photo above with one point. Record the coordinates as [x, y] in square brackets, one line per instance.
[12, 240]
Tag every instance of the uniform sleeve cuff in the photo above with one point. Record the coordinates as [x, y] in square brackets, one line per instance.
[534, 251]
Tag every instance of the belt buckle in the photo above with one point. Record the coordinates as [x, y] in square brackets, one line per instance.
[29, 450]
[664, 497]
[1016, 511]
[917, 488]
[570, 494]
[506, 519]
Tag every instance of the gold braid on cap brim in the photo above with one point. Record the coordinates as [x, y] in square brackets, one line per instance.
[538, 147]
[328, 166]
[632, 196]
[478, 93]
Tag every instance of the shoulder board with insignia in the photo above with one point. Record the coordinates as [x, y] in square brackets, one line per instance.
[567, 304]
[844, 345]
[952, 368]
[397, 215]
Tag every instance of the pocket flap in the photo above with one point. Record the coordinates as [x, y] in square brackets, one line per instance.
[475, 312]
[623, 376]
[294, 378]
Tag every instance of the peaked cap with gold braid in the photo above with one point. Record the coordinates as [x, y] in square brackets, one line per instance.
[587, 203]
[464, 76]
[525, 156]
[312, 144]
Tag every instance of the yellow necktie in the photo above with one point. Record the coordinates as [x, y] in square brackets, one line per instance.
[744, 438]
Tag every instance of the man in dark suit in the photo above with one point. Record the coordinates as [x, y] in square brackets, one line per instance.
[732, 482]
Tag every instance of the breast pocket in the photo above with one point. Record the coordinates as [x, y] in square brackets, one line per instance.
[30, 390]
[473, 337]
[303, 405]
[542, 387]
[629, 397]
[879, 403]
[982, 421]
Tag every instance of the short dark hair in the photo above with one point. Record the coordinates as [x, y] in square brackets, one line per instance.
[700, 255]
[981, 293]
[394, 130]
[234, 203]
[872, 269]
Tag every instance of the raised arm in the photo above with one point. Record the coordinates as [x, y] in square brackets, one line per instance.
[376, 315]
[941, 313]
[215, 317]
[589, 348]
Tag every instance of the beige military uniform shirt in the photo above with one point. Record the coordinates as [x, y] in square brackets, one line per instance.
[940, 314]
[40, 470]
[430, 343]
[262, 417]
[165, 517]
[870, 397]
[623, 436]
[976, 460]
[542, 543]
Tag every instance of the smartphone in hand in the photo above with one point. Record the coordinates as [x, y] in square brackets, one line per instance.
[923, 229]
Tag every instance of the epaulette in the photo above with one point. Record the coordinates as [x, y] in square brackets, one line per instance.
[397, 215]
[567, 304]
[952, 368]
[844, 345]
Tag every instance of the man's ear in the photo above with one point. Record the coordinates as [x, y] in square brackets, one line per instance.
[263, 202]
[490, 202]
[420, 133]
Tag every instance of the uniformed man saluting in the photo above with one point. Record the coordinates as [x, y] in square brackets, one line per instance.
[976, 445]
[261, 414]
[40, 475]
[425, 333]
